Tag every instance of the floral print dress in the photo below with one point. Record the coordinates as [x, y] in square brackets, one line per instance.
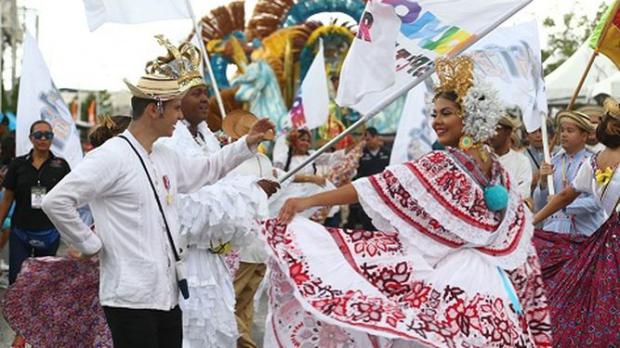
[443, 271]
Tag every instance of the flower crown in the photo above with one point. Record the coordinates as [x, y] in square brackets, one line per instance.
[479, 101]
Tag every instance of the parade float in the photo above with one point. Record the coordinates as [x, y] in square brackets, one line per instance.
[260, 63]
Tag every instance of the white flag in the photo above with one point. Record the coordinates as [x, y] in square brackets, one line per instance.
[365, 68]
[428, 29]
[510, 59]
[40, 100]
[415, 136]
[311, 106]
[99, 12]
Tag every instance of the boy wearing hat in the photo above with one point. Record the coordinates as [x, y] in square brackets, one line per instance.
[583, 216]
[516, 164]
[132, 186]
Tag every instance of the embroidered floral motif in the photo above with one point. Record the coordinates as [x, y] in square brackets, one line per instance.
[415, 309]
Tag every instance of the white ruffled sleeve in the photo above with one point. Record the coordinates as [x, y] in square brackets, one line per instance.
[224, 212]
[584, 180]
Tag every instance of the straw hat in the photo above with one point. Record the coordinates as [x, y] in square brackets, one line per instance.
[578, 118]
[237, 123]
[155, 87]
[509, 121]
[592, 111]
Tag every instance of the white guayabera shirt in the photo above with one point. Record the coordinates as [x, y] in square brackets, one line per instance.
[137, 263]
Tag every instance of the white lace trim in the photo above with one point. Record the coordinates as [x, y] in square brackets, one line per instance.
[385, 219]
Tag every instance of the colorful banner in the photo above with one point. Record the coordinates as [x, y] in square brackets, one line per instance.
[606, 36]
[39, 99]
[428, 29]
[311, 106]
[509, 58]
[99, 12]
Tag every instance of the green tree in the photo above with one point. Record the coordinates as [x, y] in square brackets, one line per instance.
[567, 36]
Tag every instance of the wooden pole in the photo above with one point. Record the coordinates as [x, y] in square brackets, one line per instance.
[546, 150]
[205, 59]
[582, 80]
[608, 23]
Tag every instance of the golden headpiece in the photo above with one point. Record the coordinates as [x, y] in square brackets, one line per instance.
[612, 108]
[182, 63]
[455, 75]
[481, 107]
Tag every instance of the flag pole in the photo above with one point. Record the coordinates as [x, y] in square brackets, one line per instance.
[573, 99]
[608, 22]
[546, 150]
[206, 60]
[396, 94]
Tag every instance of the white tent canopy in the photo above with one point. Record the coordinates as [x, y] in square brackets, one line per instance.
[561, 83]
[609, 86]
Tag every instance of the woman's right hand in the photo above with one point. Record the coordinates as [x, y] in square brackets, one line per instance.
[291, 207]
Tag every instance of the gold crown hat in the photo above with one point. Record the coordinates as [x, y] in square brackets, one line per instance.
[183, 63]
[578, 118]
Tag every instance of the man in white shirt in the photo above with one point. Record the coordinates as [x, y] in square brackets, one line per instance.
[139, 274]
[516, 164]
[213, 219]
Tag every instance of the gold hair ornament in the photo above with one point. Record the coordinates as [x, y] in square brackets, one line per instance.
[455, 75]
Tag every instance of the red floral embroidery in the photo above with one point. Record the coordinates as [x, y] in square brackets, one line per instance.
[418, 295]
[416, 309]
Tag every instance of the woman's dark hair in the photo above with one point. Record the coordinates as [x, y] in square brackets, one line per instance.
[608, 132]
[292, 137]
[40, 122]
[450, 95]
[108, 128]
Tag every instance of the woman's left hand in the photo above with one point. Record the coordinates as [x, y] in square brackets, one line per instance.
[291, 207]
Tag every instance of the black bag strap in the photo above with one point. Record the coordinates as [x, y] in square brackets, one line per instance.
[161, 209]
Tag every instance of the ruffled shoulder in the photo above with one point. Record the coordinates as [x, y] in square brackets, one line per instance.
[224, 212]
[433, 200]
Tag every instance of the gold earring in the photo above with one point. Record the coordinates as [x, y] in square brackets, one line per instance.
[466, 142]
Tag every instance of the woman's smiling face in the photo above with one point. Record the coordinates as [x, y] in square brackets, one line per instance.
[447, 121]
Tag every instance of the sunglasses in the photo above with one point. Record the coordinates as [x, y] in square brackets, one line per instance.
[40, 135]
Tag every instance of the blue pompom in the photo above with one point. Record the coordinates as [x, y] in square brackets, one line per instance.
[496, 197]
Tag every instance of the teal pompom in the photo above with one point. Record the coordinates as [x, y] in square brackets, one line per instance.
[496, 197]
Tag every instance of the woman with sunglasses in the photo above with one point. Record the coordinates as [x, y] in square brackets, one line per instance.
[27, 181]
